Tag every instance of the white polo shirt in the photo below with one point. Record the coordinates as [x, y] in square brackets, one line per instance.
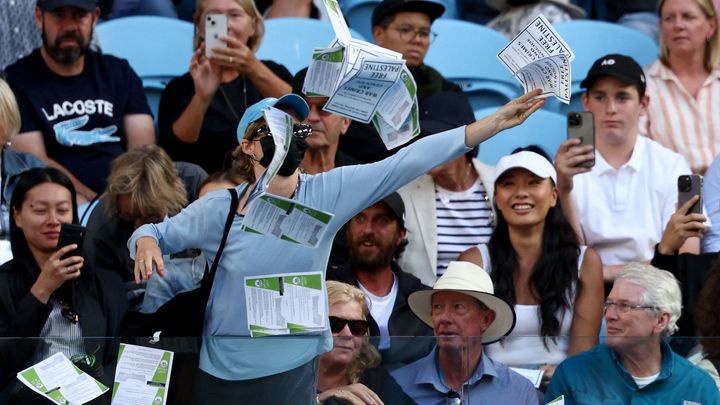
[623, 212]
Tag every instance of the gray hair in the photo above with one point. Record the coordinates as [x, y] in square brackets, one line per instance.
[661, 290]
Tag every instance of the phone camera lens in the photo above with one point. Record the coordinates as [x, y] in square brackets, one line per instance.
[574, 119]
[684, 183]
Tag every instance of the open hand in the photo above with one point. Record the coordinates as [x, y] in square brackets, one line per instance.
[517, 111]
[148, 253]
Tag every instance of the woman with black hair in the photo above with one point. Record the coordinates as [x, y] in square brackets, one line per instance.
[46, 295]
[536, 264]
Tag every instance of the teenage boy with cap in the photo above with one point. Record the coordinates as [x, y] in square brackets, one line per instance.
[448, 209]
[80, 109]
[464, 315]
[376, 236]
[624, 202]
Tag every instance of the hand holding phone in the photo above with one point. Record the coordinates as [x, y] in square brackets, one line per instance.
[690, 185]
[215, 26]
[581, 125]
[71, 234]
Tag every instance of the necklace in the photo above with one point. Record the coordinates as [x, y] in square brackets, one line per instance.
[229, 104]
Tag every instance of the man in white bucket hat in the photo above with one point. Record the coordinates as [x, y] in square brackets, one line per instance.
[464, 315]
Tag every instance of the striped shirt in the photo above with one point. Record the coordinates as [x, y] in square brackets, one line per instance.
[678, 121]
[463, 220]
[61, 335]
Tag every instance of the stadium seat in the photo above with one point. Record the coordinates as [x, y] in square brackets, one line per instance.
[473, 64]
[158, 48]
[544, 128]
[590, 40]
[290, 41]
[358, 14]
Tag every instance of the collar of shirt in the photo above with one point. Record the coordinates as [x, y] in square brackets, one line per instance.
[637, 159]
[662, 72]
[430, 372]
[666, 364]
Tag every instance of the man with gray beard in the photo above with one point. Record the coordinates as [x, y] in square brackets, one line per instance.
[376, 237]
[80, 109]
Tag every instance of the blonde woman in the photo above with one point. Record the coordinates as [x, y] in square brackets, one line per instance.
[200, 110]
[684, 83]
[348, 372]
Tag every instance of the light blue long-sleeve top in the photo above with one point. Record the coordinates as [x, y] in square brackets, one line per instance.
[344, 191]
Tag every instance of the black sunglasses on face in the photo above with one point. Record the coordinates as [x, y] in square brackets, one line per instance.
[357, 327]
[301, 131]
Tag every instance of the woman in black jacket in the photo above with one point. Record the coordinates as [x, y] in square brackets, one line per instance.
[48, 296]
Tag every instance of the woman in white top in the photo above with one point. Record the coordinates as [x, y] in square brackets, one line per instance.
[536, 264]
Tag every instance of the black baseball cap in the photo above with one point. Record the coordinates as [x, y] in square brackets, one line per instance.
[390, 7]
[621, 67]
[396, 205]
[49, 5]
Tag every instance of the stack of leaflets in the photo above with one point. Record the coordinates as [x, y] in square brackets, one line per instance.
[539, 58]
[364, 82]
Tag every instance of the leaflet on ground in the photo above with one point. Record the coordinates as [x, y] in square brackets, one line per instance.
[57, 379]
[285, 304]
[286, 219]
[366, 83]
[142, 376]
[281, 129]
[539, 58]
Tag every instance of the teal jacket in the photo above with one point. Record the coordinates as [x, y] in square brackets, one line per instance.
[598, 377]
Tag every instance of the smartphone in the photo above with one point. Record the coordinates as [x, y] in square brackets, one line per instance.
[215, 25]
[69, 234]
[690, 185]
[582, 126]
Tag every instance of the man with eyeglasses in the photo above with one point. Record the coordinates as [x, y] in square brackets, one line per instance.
[404, 26]
[465, 315]
[635, 363]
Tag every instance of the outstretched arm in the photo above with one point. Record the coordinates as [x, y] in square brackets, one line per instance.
[507, 116]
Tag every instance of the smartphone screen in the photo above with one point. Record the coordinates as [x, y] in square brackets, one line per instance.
[71, 234]
[215, 26]
[690, 185]
[581, 125]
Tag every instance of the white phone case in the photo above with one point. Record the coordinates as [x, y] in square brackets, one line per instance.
[215, 25]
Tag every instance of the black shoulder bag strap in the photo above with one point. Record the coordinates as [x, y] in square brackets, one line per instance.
[209, 276]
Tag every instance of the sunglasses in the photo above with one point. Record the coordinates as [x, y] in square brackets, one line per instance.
[357, 327]
[301, 131]
[68, 313]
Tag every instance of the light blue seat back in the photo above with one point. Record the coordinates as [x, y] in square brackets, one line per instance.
[591, 40]
[358, 14]
[290, 41]
[544, 128]
[466, 53]
[157, 48]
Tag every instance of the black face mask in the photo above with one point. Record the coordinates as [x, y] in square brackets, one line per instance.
[296, 152]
